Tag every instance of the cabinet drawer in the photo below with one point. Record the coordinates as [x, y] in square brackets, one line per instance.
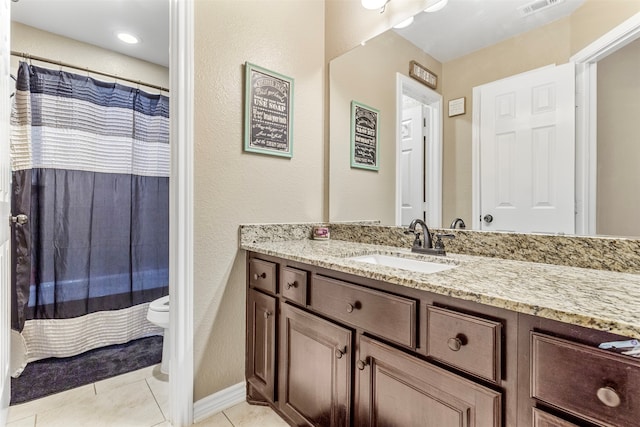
[262, 275]
[293, 284]
[542, 419]
[593, 384]
[465, 342]
[380, 313]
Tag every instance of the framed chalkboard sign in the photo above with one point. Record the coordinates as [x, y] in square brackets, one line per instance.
[365, 125]
[268, 112]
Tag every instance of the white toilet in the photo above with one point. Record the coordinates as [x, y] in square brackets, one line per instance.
[158, 314]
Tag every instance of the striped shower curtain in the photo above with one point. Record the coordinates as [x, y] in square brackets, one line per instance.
[90, 167]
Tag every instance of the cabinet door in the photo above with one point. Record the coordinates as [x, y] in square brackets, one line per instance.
[261, 345]
[314, 369]
[397, 389]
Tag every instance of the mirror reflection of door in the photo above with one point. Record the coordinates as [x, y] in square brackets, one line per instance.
[527, 152]
[418, 153]
[412, 161]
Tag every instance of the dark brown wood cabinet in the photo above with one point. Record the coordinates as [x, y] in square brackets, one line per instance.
[261, 351]
[396, 389]
[327, 348]
[315, 369]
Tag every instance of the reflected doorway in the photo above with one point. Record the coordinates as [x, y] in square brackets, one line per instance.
[418, 153]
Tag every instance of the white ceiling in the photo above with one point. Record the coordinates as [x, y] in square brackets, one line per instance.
[465, 26]
[97, 21]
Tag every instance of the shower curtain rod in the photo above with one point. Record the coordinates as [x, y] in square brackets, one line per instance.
[87, 69]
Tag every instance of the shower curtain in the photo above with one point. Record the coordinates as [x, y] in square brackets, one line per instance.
[90, 164]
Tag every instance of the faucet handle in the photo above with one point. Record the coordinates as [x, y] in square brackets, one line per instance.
[439, 244]
[417, 242]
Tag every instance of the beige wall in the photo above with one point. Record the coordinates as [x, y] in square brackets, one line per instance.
[618, 201]
[30, 40]
[367, 75]
[596, 17]
[233, 187]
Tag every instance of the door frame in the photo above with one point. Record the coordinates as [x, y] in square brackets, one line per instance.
[5, 290]
[586, 62]
[181, 285]
[181, 205]
[432, 153]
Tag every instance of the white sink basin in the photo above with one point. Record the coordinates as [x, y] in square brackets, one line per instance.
[404, 263]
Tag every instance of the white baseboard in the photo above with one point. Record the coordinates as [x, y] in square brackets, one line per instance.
[216, 402]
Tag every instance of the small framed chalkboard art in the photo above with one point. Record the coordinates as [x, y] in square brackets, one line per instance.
[268, 114]
[365, 125]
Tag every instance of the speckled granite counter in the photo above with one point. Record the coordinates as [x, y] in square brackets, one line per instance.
[604, 300]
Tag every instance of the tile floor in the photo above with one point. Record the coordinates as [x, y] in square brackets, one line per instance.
[136, 399]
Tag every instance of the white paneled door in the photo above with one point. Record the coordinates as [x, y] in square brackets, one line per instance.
[527, 152]
[5, 192]
[412, 164]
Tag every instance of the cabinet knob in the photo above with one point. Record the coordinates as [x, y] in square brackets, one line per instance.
[609, 397]
[455, 344]
[349, 308]
[256, 276]
[361, 364]
[340, 352]
[292, 285]
[267, 314]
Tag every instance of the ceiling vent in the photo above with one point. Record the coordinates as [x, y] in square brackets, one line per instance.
[536, 6]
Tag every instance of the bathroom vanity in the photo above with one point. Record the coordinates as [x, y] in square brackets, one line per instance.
[489, 342]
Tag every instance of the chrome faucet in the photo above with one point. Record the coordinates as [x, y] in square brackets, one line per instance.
[428, 247]
[456, 222]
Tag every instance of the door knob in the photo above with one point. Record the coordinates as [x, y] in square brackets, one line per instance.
[257, 276]
[488, 218]
[21, 219]
[340, 352]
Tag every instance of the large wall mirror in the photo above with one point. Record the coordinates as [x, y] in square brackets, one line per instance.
[466, 49]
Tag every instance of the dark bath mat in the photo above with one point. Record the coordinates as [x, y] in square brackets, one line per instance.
[50, 376]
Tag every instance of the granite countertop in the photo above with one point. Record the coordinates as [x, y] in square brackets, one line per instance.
[604, 300]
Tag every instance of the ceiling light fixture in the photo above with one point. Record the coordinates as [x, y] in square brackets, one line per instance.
[404, 24]
[436, 5]
[375, 4]
[128, 38]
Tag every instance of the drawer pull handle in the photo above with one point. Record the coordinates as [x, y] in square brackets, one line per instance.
[340, 353]
[355, 306]
[609, 397]
[267, 314]
[455, 344]
[292, 285]
[361, 364]
[263, 275]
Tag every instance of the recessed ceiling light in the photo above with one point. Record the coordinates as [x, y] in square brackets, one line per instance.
[436, 5]
[404, 24]
[373, 4]
[128, 38]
